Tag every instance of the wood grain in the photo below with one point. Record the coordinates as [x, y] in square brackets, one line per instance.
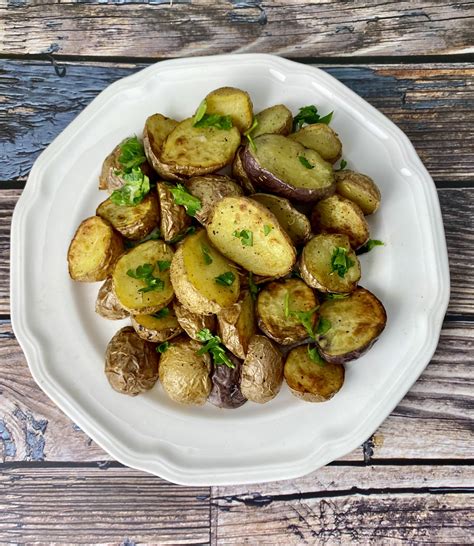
[162, 29]
[433, 421]
[433, 104]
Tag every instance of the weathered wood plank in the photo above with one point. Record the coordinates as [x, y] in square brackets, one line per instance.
[432, 422]
[94, 506]
[162, 29]
[433, 104]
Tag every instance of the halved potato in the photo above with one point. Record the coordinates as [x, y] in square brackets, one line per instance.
[193, 323]
[184, 374]
[287, 168]
[195, 270]
[276, 120]
[238, 172]
[226, 391]
[233, 102]
[320, 138]
[192, 151]
[157, 128]
[93, 251]
[356, 323]
[360, 189]
[210, 189]
[337, 214]
[132, 222]
[173, 218]
[262, 371]
[309, 380]
[129, 291]
[316, 264]
[107, 304]
[294, 222]
[236, 325]
[277, 306]
[249, 234]
[157, 327]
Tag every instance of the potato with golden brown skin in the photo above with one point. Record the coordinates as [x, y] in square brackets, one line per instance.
[184, 374]
[93, 251]
[356, 322]
[309, 380]
[210, 189]
[107, 304]
[132, 222]
[275, 119]
[233, 102]
[193, 323]
[226, 391]
[174, 220]
[360, 189]
[237, 325]
[320, 138]
[337, 214]
[262, 371]
[278, 305]
[131, 364]
[316, 264]
[156, 328]
[239, 174]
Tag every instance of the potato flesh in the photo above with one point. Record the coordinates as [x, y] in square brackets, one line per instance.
[316, 268]
[356, 322]
[233, 102]
[160, 127]
[127, 288]
[155, 329]
[271, 254]
[237, 325]
[320, 138]
[309, 380]
[360, 189]
[274, 120]
[273, 303]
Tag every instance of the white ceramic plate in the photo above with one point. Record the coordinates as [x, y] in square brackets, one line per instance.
[64, 340]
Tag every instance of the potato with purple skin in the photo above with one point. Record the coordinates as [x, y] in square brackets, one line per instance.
[239, 174]
[237, 326]
[226, 391]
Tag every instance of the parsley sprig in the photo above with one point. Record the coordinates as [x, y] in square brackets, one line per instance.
[212, 345]
[340, 261]
[136, 187]
[308, 115]
[369, 245]
[245, 236]
[182, 197]
[132, 154]
[144, 273]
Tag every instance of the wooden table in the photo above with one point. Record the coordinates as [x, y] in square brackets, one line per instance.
[412, 480]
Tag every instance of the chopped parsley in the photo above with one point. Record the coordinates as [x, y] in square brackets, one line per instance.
[340, 261]
[314, 356]
[369, 245]
[247, 134]
[163, 347]
[305, 317]
[163, 265]
[342, 165]
[189, 231]
[201, 110]
[305, 162]
[324, 325]
[253, 288]
[212, 345]
[162, 313]
[136, 187]
[336, 296]
[153, 236]
[201, 119]
[182, 197]
[267, 229]
[206, 254]
[245, 236]
[308, 115]
[144, 273]
[132, 154]
[226, 279]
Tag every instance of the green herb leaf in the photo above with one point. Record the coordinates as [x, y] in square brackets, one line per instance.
[248, 134]
[315, 356]
[189, 231]
[201, 110]
[324, 325]
[214, 347]
[326, 119]
[342, 165]
[162, 313]
[305, 162]
[182, 197]
[340, 261]
[336, 296]
[163, 347]
[226, 279]
[205, 253]
[308, 115]
[136, 187]
[214, 120]
[369, 245]
[132, 154]
[253, 288]
[245, 236]
[163, 265]
[144, 272]
[306, 318]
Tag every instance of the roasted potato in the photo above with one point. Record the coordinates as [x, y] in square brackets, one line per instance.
[287, 168]
[93, 251]
[107, 305]
[279, 308]
[157, 128]
[193, 151]
[205, 282]
[320, 138]
[249, 234]
[131, 363]
[174, 220]
[158, 327]
[184, 374]
[337, 214]
[318, 264]
[262, 371]
[240, 175]
[132, 222]
[294, 222]
[236, 325]
[210, 189]
[360, 189]
[226, 391]
[276, 120]
[139, 295]
[309, 380]
[356, 323]
[192, 323]
[233, 102]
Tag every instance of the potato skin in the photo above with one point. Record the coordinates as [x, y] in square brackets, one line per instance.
[237, 326]
[226, 391]
[360, 189]
[94, 237]
[238, 172]
[131, 364]
[107, 305]
[262, 371]
[193, 323]
[310, 381]
[173, 217]
[184, 374]
[156, 330]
